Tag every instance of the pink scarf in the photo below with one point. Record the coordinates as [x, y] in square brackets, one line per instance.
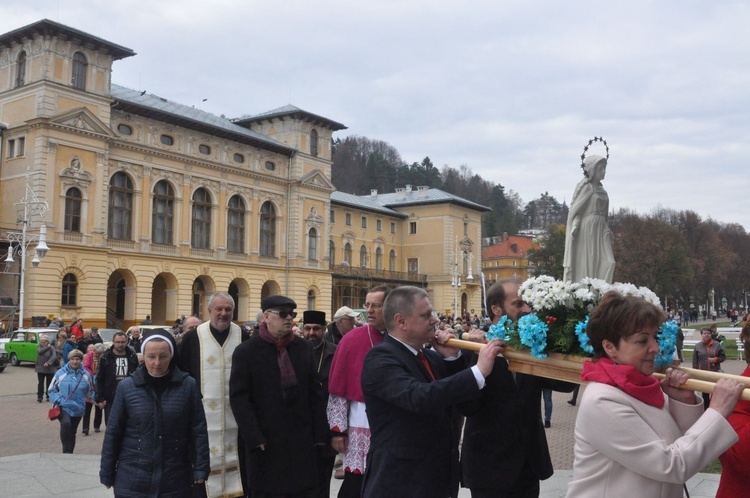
[644, 388]
[286, 369]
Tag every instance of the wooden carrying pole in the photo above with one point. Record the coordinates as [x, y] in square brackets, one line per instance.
[568, 368]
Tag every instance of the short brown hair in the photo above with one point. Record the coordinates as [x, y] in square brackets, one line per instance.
[496, 296]
[617, 317]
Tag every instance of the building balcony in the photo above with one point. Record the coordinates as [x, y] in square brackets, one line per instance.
[347, 271]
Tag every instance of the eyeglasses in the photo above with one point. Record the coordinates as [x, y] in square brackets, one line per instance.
[283, 314]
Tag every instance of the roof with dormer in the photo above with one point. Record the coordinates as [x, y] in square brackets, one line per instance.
[512, 247]
[424, 195]
[291, 112]
[159, 108]
[363, 202]
[52, 28]
[386, 203]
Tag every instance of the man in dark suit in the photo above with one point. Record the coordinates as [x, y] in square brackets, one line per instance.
[411, 396]
[505, 452]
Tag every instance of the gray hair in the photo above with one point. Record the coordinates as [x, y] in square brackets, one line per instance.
[99, 348]
[224, 295]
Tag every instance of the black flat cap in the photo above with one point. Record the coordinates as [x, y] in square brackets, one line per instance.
[274, 302]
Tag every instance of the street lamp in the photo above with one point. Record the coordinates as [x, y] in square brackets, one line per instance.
[19, 242]
[459, 256]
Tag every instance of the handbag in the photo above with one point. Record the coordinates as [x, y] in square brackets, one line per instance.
[54, 412]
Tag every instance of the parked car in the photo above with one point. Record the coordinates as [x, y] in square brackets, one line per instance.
[23, 343]
[3, 360]
[108, 334]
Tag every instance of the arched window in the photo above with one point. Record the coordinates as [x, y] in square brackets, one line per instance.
[73, 201]
[163, 213]
[331, 253]
[378, 259]
[314, 142]
[120, 207]
[392, 260]
[312, 246]
[311, 299]
[267, 229]
[348, 253]
[21, 69]
[79, 71]
[236, 225]
[363, 256]
[201, 219]
[69, 290]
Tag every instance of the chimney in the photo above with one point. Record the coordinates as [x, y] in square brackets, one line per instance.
[400, 194]
[373, 193]
[505, 236]
[408, 189]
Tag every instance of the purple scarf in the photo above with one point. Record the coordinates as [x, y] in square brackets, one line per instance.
[286, 370]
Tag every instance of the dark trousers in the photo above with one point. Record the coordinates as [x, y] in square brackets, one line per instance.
[43, 382]
[351, 486]
[325, 471]
[526, 486]
[301, 494]
[87, 417]
[68, 428]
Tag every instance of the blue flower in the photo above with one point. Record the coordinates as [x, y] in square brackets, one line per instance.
[499, 330]
[533, 334]
[583, 338]
[667, 338]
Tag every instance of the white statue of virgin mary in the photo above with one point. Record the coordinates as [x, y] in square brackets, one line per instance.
[588, 240]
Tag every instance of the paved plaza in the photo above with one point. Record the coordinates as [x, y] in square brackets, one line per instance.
[32, 465]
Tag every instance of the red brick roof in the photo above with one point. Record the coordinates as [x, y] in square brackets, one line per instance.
[514, 247]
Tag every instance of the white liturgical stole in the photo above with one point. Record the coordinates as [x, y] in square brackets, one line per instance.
[216, 365]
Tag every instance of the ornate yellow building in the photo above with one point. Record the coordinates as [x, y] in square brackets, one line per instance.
[154, 205]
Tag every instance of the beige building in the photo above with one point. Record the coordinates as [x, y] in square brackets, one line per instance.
[422, 236]
[154, 205]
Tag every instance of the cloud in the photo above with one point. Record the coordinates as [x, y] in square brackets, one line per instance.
[512, 89]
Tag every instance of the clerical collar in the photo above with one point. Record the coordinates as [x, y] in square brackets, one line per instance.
[214, 330]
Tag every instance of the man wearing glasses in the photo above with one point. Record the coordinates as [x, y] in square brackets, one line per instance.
[277, 399]
[206, 354]
[347, 417]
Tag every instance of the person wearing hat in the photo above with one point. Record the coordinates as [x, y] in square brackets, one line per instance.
[69, 390]
[344, 320]
[279, 405]
[206, 354]
[156, 442]
[46, 366]
[313, 325]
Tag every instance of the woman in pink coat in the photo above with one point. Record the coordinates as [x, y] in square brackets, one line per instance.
[635, 435]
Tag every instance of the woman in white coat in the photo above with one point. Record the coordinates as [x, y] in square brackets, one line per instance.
[635, 435]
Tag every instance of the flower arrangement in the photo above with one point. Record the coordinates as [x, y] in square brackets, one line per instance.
[559, 316]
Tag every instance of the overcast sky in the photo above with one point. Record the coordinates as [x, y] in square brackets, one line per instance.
[512, 89]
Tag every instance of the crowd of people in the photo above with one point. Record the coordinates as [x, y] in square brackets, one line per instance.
[225, 411]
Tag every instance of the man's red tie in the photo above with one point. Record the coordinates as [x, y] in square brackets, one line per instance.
[426, 364]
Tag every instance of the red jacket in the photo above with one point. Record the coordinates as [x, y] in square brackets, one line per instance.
[735, 479]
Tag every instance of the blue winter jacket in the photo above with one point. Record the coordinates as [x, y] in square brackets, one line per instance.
[67, 348]
[65, 381]
[155, 447]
